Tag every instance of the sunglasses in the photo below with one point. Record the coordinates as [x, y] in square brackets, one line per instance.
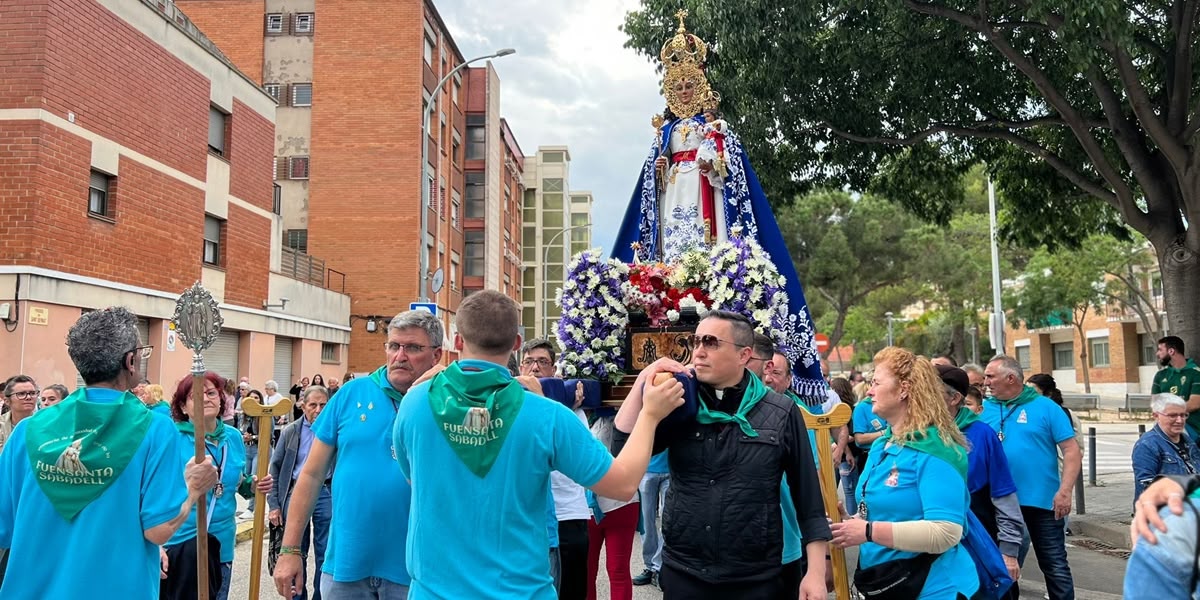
[711, 342]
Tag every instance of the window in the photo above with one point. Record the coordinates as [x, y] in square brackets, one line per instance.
[212, 240]
[454, 153]
[302, 24]
[1098, 352]
[275, 24]
[579, 199]
[454, 260]
[99, 185]
[552, 202]
[553, 185]
[296, 239]
[298, 167]
[552, 218]
[217, 138]
[579, 220]
[277, 199]
[455, 206]
[1149, 348]
[1064, 355]
[529, 238]
[529, 280]
[1023, 356]
[454, 92]
[273, 90]
[301, 94]
[329, 352]
[442, 135]
[475, 188]
[476, 137]
[429, 44]
[554, 254]
[552, 157]
[473, 246]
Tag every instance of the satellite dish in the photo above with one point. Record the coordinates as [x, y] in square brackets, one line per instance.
[439, 277]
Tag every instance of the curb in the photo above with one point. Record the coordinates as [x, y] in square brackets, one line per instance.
[245, 530]
[1110, 532]
[1035, 589]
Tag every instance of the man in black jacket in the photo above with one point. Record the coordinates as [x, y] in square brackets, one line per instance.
[722, 525]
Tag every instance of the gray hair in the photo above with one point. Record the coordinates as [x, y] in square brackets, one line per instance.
[99, 342]
[313, 389]
[271, 384]
[973, 368]
[11, 385]
[1009, 364]
[1160, 402]
[59, 389]
[420, 319]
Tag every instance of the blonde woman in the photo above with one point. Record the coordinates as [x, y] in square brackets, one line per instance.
[154, 400]
[912, 498]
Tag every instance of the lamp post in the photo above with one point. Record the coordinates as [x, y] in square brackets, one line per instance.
[996, 331]
[546, 280]
[888, 314]
[423, 273]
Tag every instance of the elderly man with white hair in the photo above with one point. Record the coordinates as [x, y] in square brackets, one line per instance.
[1167, 449]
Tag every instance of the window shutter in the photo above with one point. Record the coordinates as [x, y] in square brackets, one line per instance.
[281, 168]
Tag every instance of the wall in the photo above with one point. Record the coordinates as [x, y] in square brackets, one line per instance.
[235, 26]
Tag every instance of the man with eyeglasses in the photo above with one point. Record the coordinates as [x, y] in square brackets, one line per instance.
[723, 527]
[365, 557]
[21, 394]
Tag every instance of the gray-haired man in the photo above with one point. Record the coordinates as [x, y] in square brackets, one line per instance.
[371, 498]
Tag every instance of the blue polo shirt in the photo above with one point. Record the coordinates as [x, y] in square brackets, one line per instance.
[658, 463]
[864, 420]
[370, 495]
[986, 462]
[902, 484]
[230, 458]
[494, 526]
[1032, 433]
[551, 519]
[793, 541]
[103, 549]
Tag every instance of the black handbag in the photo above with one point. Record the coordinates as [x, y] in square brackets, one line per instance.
[900, 579]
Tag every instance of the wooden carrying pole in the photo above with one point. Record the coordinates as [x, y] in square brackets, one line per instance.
[201, 506]
[266, 415]
[822, 425]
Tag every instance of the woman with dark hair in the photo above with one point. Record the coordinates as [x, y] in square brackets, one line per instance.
[318, 380]
[1046, 386]
[224, 446]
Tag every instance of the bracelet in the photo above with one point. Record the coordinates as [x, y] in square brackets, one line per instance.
[290, 550]
[869, 532]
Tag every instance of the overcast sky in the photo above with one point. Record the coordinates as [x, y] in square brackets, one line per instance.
[571, 82]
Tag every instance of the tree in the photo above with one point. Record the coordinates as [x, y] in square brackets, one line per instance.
[1084, 110]
[846, 247]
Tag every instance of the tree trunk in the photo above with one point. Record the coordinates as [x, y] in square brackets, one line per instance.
[1083, 354]
[1180, 269]
[958, 341]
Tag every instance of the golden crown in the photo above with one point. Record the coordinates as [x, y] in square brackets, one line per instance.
[683, 47]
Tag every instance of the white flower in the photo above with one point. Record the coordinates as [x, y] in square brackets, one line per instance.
[672, 315]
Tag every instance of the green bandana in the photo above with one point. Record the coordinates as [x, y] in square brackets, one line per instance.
[931, 443]
[1027, 395]
[796, 399]
[213, 437]
[964, 418]
[475, 410]
[755, 391]
[379, 377]
[80, 448]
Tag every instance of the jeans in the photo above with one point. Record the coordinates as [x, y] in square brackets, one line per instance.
[615, 533]
[315, 535]
[251, 469]
[371, 588]
[1164, 570]
[849, 477]
[1049, 542]
[654, 491]
[573, 559]
[226, 574]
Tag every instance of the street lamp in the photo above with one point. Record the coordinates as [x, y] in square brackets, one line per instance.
[546, 280]
[423, 274]
[888, 314]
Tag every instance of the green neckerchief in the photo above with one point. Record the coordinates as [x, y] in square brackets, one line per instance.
[930, 442]
[964, 418]
[1027, 395]
[796, 399]
[474, 408]
[213, 437]
[755, 391]
[379, 377]
[868, 400]
[81, 447]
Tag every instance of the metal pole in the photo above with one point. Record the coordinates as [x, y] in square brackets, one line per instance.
[889, 323]
[423, 267]
[1080, 508]
[1092, 456]
[1141, 429]
[997, 308]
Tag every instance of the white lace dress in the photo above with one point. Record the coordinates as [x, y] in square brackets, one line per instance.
[682, 221]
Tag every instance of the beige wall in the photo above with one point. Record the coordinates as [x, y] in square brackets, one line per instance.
[39, 351]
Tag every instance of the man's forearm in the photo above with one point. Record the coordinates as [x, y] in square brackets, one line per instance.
[816, 552]
[304, 497]
[1072, 466]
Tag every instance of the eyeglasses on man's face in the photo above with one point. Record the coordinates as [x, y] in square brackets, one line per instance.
[711, 342]
[393, 347]
[541, 362]
[143, 352]
[1174, 416]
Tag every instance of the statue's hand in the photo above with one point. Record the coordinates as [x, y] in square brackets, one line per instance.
[661, 162]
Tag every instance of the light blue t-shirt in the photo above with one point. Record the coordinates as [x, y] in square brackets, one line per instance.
[103, 549]
[230, 459]
[793, 541]
[864, 420]
[658, 463]
[902, 484]
[494, 527]
[1032, 433]
[551, 519]
[370, 495]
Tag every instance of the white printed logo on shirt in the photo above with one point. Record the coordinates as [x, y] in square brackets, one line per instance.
[1022, 418]
[893, 479]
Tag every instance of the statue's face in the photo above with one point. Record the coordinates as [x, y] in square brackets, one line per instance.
[685, 90]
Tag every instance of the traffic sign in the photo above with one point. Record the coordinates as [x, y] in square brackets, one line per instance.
[822, 342]
[429, 307]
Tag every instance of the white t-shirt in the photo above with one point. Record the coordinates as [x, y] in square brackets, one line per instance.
[273, 398]
[570, 503]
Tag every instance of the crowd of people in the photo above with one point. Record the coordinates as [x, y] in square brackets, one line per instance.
[711, 461]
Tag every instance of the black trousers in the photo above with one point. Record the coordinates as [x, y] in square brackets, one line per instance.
[679, 585]
[573, 557]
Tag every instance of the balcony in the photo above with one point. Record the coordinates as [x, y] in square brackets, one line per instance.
[302, 267]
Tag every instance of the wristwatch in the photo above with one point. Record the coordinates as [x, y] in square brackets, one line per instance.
[869, 532]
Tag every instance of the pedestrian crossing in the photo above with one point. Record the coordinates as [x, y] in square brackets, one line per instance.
[1113, 455]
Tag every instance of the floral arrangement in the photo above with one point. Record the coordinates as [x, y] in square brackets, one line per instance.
[745, 281]
[594, 318]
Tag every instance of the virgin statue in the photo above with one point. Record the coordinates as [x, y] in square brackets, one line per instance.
[697, 185]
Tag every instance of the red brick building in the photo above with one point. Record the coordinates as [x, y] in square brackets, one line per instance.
[352, 84]
[134, 161]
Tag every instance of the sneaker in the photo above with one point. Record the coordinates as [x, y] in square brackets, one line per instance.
[646, 577]
[657, 583]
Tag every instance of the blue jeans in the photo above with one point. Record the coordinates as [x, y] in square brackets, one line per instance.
[849, 477]
[1049, 541]
[371, 588]
[316, 535]
[1164, 570]
[251, 469]
[654, 490]
[226, 573]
